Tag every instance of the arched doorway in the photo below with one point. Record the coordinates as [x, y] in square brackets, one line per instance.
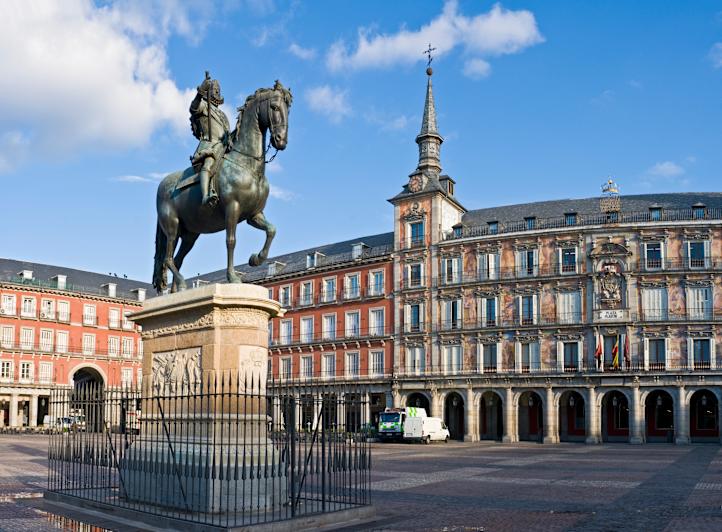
[659, 417]
[572, 418]
[87, 408]
[491, 417]
[615, 417]
[531, 417]
[419, 400]
[704, 417]
[454, 415]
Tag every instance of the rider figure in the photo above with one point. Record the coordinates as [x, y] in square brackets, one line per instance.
[210, 126]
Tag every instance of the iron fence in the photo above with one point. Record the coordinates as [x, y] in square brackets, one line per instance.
[223, 452]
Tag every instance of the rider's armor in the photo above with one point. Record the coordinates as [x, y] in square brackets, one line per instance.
[210, 126]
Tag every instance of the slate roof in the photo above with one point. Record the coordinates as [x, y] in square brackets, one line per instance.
[76, 280]
[336, 253]
[555, 208]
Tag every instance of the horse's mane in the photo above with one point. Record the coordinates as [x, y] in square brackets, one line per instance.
[260, 93]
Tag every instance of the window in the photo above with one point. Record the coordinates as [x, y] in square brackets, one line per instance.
[357, 251]
[458, 231]
[527, 310]
[569, 307]
[657, 353]
[286, 335]
[311, 260]
[493, 228]
[530, 223]
[527, 262]
[451, 269]
[414, 318]
[88, 344]
[353, 324]
[270, 332]
[307, 330]
[46, 340]
[8, 336]
[27, 338]
[328, 361]
[699, 302]
[698, 212]
[415, 275]
[47, 309]
[285, 368]
[352, 364]
[701, 353]
[416, 230]
[329, 290]
[139, 376]
[570, 218]
[89, 316]
[415, 360]
[114, 318]
[452, 314]
[307, 367]
[529, 357]
[376, 322]
[140, 347]
[352, 286]
[307, 293]
[488, 312]
[488, 266]
[26, 371]
[453, 358]
[377, 363]
[61, 341]
[376, 283]
[113, 346]
[8, 304]
[126, 377]
[45, 372]
[329, 327]
[28, 307]
[64, 311]
[127, 323]
[568, 260]
[655, 214]
[488, 358]
[285, 296]
[270, 293]
[127, 347]
[6, 370]
[698, 253]
[653, 255]
[654, 303]
[571, 356]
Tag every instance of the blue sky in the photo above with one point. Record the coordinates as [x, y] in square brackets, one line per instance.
[536, 100]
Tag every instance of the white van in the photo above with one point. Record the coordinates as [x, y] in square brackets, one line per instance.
[426, 429]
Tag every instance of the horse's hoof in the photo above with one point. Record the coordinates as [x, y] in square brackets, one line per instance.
[255, 260]
[233, 278]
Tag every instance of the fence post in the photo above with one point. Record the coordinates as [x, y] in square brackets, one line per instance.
[292, 435]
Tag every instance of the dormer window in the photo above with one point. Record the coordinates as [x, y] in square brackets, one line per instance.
[655, 214]
[698, 211]
[110, 289]
[275, 267]
[26, 275]
[493, 228]
[358, 250]
[570, 218]
[530, 223]
[60, 281]
[457, 231]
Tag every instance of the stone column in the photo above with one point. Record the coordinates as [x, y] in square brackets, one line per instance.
[33, 421]
[472, 417]
[636, 421]
[367, 408]
[510, 435]
[14, 410]
[551, 426]
[395, 398]
[681, 418]
[437, 405]
[341, 411]
[594, 430]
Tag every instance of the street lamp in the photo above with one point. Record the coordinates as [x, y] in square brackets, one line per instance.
[704, 400]
[531, 401]
[615, 402]
[455, 402]
[659, 400]
[571, 401]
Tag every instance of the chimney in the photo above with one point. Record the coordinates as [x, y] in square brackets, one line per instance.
[60, 281]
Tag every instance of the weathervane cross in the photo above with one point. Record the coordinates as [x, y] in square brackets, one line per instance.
[427, 53]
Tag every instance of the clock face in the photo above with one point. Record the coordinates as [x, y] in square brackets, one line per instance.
[415, 183]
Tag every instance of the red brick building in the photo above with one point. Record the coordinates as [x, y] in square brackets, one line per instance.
[60, 327]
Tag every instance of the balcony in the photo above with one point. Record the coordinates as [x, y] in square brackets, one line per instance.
[678, 264]
[415, 327]
[350, 334]
[305, 300]
[511, 273]
[90, 320]
[64, 317]
[48, 315]
[352, 293]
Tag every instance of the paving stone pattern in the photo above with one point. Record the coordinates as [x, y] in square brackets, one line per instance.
[477, 487]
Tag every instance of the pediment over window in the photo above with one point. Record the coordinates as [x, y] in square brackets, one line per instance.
[610, 249]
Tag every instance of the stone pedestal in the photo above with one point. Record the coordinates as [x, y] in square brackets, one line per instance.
[203, 444]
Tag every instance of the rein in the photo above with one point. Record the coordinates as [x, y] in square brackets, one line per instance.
[268, 148]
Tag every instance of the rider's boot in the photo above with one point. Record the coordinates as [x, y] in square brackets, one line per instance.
[209, 198]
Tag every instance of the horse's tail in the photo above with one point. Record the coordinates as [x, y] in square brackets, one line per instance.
[160, 281]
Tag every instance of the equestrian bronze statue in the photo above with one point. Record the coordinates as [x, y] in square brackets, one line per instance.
[226, 183]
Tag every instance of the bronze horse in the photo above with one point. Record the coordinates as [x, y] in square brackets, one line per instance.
[241, 185]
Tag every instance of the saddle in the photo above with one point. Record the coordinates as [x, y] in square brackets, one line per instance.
[197, 164]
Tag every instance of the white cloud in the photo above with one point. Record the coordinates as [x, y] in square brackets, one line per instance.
[606, 96]
[281, 193]
[301, 52]
[274, 167]
[385, 121]
[476, 68]
[151, 177]
[691, 159]
[330, 102]
[666, 169]
[715, 55]
[93, 77]
[497, 32]
[635, 84]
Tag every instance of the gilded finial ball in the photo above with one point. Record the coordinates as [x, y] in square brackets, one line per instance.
[429, 71]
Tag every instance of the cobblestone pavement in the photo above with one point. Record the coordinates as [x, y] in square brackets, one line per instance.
[478, 486]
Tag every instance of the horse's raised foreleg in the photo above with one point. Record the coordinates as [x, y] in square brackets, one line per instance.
[233, 212]
[259, 222]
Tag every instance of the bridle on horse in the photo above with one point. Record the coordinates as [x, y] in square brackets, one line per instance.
[273, 125]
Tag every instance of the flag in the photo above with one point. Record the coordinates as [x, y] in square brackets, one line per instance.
[598, 351]
[627, 353]
[615, 354]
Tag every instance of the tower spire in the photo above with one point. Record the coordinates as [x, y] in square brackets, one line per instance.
[428, 139]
